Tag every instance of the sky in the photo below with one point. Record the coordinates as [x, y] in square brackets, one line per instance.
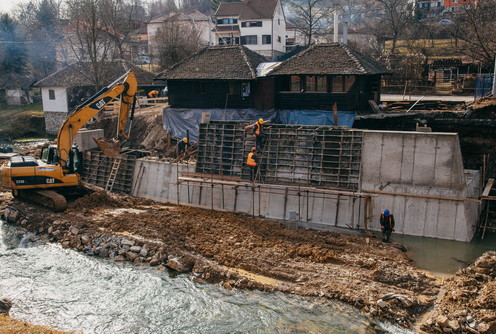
[8, 5]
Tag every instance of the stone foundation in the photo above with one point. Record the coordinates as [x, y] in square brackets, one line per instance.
[53, 121]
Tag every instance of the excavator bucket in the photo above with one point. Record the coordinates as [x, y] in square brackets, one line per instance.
[111, 148]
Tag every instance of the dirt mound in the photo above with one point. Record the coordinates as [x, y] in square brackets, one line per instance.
[469, 300]
[93, 200]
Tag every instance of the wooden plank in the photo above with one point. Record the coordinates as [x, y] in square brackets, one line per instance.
[374, 106]
[488, 188]
[422, 196]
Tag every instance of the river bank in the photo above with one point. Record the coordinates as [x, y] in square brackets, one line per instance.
[239, 252]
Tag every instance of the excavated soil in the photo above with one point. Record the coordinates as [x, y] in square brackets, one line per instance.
[240, 251]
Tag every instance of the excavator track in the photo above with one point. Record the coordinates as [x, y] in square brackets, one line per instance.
[47, 198]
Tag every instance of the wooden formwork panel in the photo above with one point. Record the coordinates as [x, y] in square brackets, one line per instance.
[307, 155]
[97, 168]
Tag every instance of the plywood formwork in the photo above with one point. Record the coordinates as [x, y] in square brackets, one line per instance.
[307, 155]
[97, 170]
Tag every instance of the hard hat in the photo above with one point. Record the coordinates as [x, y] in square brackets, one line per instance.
[260, 120]
[386, 213]
[185, 140]
[253, 148]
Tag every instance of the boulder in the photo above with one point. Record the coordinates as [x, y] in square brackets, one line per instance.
[442, 320]
[5, 305]
[135, 249]
[175, 264]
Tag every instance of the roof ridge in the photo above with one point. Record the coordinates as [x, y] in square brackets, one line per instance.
[353, 57]
[247, 60]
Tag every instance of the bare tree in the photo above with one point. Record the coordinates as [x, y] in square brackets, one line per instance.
[176, 41]
[96, 32]
[40, 20]
[474, 29]
[391, 21]
[161, 7]
[308, 16]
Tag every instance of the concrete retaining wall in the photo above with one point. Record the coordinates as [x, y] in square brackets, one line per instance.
[426, 167]
[417, 176]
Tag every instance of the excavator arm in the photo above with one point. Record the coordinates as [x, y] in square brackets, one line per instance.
[126, 86]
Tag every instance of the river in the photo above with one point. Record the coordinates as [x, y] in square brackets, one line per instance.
[70, 291]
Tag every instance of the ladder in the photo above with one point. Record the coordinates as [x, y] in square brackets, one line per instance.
[113, 174]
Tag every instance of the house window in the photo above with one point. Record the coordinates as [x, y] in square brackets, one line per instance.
[248, 24]
[249, 40]
[316, 83]
[279, 21]
[266, 39]
[234, 88]
[51, 94]
[295, 83]
[227, 21]
[342, 83]
[279, 39]
[228, 40]
[199, 88]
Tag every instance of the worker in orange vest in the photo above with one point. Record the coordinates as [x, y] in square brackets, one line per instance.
[153, 94]
[252, 162]
[259, 134]
[387, 225]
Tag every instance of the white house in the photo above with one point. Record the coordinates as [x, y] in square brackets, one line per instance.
[198, 21]
[260, 25]
[67, 88]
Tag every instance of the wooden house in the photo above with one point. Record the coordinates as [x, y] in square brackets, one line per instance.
[216, 77]
[328, 73]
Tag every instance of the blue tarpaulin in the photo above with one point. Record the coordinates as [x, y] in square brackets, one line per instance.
[182, 123]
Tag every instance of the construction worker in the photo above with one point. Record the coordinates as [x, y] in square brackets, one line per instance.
[182, 146]
[153, 94]
[259, 134]
[387, 225]
[252, 162]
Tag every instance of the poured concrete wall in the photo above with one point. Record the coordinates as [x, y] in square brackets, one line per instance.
[419, 176]
[157, 180]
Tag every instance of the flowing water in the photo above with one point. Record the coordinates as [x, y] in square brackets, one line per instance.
[70, 291]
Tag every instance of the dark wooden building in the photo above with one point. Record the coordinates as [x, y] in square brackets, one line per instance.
[217, 77]
[325, 74]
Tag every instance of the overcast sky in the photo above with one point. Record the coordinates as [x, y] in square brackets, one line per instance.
[8, 5]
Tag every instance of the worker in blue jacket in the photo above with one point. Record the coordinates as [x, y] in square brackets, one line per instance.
[387, 225]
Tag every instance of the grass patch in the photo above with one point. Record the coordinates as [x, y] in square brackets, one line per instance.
[22, 121]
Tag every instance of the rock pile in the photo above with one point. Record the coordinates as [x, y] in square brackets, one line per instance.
[95, 242]
[468, 304]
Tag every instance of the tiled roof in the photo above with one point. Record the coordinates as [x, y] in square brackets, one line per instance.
[233, 62]
[248, 10]
[79, 74]
[330, 58]
[14, 81]
[229, 9]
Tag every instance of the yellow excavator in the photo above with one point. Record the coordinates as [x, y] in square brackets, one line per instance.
[44, 180]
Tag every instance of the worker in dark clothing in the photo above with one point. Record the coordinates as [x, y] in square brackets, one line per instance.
[252, 162]
[387, 225]
[259, 134]
[182, 146]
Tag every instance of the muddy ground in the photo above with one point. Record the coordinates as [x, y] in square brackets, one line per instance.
[238, 251]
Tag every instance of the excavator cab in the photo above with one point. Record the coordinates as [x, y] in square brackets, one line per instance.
[74, 165]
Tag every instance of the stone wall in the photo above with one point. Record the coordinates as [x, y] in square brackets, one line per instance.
[53, 121]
